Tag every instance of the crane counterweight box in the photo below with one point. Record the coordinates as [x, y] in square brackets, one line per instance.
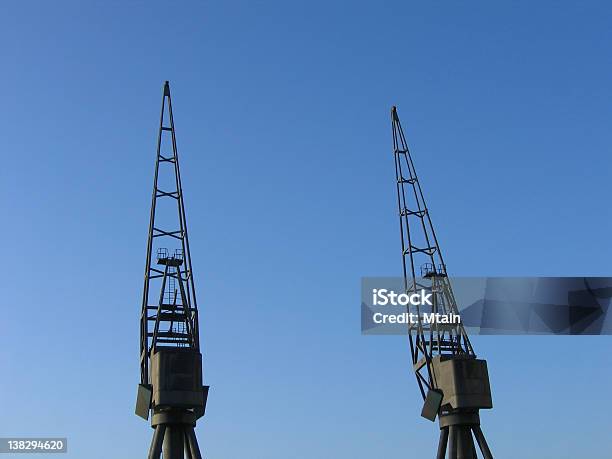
[176, 376]
[464, 382]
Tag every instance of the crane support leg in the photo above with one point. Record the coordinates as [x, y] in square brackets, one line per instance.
[452, 441]
[462, 450]
[174, 444]
[192, 442]
[156, 443]
[442, 444]
[187, 450]
[465, 448]
[482, 443]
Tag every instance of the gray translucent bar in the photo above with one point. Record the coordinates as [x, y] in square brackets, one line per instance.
[505, 305]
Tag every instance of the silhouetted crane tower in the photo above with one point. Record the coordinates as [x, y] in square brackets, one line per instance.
[170, 360]
[453, 382]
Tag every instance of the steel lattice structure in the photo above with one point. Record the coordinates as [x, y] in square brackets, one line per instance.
[453, 383]
[170, 360]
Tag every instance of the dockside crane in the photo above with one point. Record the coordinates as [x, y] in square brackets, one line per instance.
[453, 382]
[170, 386]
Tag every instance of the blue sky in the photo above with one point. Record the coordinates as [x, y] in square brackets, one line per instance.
[282, 118]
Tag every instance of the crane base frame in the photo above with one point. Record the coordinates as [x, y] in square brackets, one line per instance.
[174, 435]
[457, 432]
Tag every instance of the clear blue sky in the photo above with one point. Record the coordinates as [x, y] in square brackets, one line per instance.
[282, 116]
